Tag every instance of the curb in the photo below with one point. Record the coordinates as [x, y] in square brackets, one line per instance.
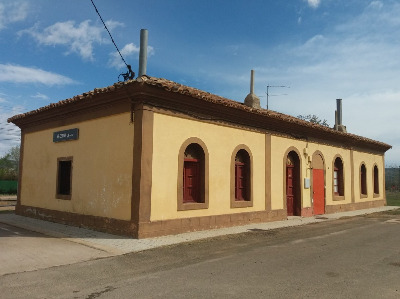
[118, 245]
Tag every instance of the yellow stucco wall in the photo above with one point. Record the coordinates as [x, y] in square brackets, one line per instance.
[369, 161]
[171, 132]
[280, 146]
[169, 135]
[102, 168]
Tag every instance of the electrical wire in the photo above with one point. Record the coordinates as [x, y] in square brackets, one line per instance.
[109, 33]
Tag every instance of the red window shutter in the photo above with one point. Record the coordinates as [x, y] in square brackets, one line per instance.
[240, 181]
[191, 181]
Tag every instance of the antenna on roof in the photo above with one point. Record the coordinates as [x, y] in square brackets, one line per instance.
[129, 75]
[270, 95]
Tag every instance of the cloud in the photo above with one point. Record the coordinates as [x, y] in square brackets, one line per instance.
[21, 74]
[356, 60]
[12, 12]
[129, 50]
[41, 96]
[376, 4]
[9, 133]
[313, 3]
[299, 20]
[78, 38]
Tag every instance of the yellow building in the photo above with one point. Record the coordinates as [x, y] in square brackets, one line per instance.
[151, 157]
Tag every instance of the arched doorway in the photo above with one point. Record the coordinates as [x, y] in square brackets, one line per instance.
[318, 184]
[293, 193]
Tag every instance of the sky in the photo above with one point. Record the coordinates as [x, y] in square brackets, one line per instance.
[320, 50]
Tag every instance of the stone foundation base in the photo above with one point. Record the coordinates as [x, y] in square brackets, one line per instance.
[103, 224]
[151, 229]
[354, 206]
[177, 226]
[307, 212]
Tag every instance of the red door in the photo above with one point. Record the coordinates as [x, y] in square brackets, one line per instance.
[191, 182]
[318, 191]
[240, 184]
[290, 190]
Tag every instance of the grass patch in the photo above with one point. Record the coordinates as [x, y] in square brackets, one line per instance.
[393, 212]
[393, 198]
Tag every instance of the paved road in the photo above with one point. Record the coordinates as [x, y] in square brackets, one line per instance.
[348, 258]
[22, 250]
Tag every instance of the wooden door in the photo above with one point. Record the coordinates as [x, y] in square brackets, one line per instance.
[290, 190]
[318, 191]
[191, 182]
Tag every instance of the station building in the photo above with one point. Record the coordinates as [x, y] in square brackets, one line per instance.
[150, 157]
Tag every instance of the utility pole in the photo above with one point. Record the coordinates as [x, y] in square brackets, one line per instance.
[268, 95]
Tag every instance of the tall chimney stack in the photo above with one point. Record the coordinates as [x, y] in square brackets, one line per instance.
[143, 52]
[339, 111]
[338, 117]
[251, 99]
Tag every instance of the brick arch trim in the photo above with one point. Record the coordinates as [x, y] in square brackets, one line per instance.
[181, 156]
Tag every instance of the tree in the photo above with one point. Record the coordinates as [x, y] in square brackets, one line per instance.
[9, 164]
[312, 118]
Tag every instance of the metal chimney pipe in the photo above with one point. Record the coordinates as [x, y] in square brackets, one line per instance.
[252, 82]
[336, 123]
[143, 52]
[339, 111]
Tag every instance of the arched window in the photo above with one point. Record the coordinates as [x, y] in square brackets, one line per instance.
[242, 176]
[293, 184]
[376, 180]
[193, 174]
[363, 179]
[193, 179]
[338, 180]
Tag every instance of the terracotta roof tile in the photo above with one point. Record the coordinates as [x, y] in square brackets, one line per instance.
[199, 94]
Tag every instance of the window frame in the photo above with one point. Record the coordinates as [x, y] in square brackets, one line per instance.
[188, 164]
[338, 178]
[181, 205]
[363, 181]
[375, 177]
[248, 202]
[59, 195]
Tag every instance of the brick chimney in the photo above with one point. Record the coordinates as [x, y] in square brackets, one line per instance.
[251, 99]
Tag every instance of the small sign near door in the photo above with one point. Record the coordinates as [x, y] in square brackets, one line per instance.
[66, 135]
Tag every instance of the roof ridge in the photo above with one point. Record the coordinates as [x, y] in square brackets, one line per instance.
[193, 92]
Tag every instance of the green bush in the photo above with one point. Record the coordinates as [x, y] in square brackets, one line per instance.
[8, 187]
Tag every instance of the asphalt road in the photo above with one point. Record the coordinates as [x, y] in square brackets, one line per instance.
[348, 258]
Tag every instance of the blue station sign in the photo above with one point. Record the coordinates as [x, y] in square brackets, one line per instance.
[66, 135]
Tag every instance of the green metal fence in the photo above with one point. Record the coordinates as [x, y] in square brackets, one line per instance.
[8, 187]
[392, 178]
